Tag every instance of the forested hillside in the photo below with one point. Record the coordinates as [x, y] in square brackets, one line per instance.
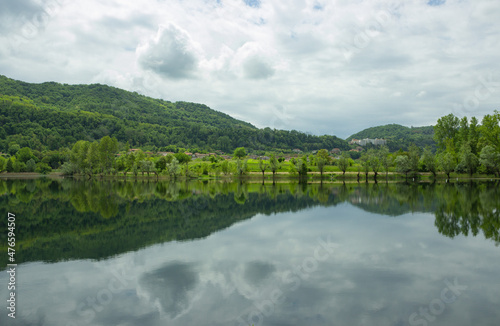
[399, 136]
[51, 116]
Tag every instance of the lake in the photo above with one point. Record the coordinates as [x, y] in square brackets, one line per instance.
[214, 253]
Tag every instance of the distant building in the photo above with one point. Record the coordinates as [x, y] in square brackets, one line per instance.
[364, 142]
[336, 151]
[296, 150]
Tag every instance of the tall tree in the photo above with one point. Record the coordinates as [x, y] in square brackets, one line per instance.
[107, 149]
[462, 136]
[385, 159]
[322, 159]
[93, 157]
[262, 166]
[274, 164]
[403, 165]
[474, 135]
[343, 162]
[414, 157]
[445, 129]
[490, 159]
[374, 161]
[447, 163]
[173, 168]
[429, 161]
[78, 155]
[490, 130]
[3, 161]
[365, 163]
[468, 161]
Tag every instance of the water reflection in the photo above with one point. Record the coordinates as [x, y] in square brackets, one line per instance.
[286, 254]
[66, 219]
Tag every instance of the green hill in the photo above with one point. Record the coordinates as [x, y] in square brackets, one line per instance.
[398, 136]
[52, 115]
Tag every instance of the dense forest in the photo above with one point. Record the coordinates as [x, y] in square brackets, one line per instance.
[399, 137]
[49, 116]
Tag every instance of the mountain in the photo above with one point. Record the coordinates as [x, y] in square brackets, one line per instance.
[399, 136]
[52, 115]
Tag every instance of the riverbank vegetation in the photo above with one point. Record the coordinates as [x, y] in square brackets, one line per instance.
[465, 148]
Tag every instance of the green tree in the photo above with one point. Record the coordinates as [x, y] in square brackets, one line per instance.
[130, 162]
[241, 167]
[135, 169]
[239, 153]
[30, 165]
[462, 136]
[3, 161]
[107, 149]
[414, 157]
[385, 159]
[161, 163]
[343, 162]
[147, 166]
[474, 135]
[490, 130]
[141, 166]
[13, 148]
[121, 164]
[173, 168]
[19, 166]
[374, 161]
[9, 166]
[445, 129]
[403, 165]
[468, 161]
[24, 154]
[78, 155]
[302, 168]
[182, 158]
[262, 167]
[93, 157]
[490, 159]
[365, 164]
[429, 161]
[43, 168]
[447, 163]
[274, 164]
[224, 166]
[322, 159]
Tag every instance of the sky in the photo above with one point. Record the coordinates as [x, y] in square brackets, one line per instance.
[322, 67]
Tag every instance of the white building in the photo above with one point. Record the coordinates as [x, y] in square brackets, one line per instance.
[364, 142]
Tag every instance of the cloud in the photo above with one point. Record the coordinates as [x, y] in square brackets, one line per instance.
[170, 286]
[256, 68]
[170, 53]
[334, 66]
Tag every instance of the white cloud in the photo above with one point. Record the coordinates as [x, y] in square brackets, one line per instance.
[171, 53]
[246, 60]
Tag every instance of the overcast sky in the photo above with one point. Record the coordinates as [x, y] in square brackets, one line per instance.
[324, 67]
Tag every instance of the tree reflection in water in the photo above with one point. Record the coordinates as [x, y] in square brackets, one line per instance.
[69, 219]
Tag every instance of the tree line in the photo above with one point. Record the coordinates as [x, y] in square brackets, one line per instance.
[463, 146]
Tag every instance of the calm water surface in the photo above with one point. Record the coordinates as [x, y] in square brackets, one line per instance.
[134, 253]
